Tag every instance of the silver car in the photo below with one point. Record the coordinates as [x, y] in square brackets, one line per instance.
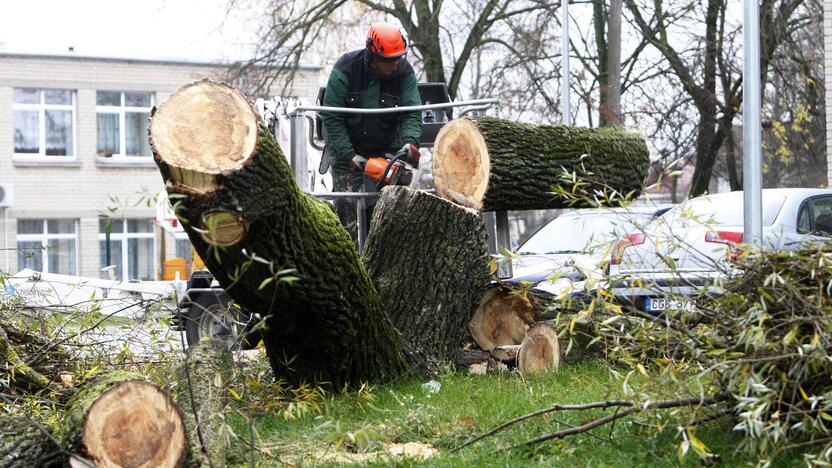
[565, 252]
[691, 246]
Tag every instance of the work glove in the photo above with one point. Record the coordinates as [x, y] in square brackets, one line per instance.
[356, 163]
[410, 152]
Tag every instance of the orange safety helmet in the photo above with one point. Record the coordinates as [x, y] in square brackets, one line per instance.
[386, 41]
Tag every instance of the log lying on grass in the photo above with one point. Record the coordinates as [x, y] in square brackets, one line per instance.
[123, 420]
[501, 319]
[540, 350]
[23, 443]
[428, 258]
[493, 164]
[202, 391]
[236, 197]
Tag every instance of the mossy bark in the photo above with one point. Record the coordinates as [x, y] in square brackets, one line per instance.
[526, 164]
[202, 393]
[329, 325]
[428, 258]
[22, 444]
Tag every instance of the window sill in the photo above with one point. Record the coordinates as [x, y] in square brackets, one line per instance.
[25, 160]
[124, 161]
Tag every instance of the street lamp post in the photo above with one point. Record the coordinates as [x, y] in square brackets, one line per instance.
[752, 168]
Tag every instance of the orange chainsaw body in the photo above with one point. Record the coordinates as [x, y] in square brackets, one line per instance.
[374, 169]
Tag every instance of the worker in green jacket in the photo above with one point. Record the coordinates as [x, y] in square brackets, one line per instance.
[373, 77]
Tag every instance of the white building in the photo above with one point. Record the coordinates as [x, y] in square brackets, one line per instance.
[75, 160]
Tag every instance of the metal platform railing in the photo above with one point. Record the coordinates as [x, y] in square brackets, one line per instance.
[299, 158]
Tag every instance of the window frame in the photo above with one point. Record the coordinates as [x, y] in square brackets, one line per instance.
[42, 107]
[122, 111]
[46, 236]
[809, 204]
[124, 236]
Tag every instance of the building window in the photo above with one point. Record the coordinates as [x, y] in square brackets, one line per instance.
[48, 245]
[121, 123]
[184, 248]
[44, 122]
[131, 248]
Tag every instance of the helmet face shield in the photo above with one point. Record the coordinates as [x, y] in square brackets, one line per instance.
[387, 67]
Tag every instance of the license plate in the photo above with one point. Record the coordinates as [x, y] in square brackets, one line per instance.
[660, 304]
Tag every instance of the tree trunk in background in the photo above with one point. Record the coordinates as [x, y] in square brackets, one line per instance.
[494, 164]
[123, 420]
[611, 113]
[429, 261]
[202, 392]
[237, 199]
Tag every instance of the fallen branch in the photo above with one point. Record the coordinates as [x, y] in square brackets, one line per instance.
[632, 407]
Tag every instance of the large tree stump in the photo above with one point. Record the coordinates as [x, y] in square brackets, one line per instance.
[237, 199]
[429, 260]
[23, 443]
[202, 393]
[123, 420]
[493, 164]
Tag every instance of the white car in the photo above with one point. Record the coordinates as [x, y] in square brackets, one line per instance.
[691, 246]
[562, 254]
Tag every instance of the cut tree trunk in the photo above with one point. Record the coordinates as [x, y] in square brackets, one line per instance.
[202, 393]
[492, 164]
[501, 318]
[237, 199]
[23, 443]
[428, 258]
[123, 420]
[540, 350]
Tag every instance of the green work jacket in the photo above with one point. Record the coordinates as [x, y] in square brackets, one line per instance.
[353, 84]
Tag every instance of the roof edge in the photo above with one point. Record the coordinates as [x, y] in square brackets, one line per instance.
[112, 58]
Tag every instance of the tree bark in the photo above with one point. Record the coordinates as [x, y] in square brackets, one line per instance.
[22, 443]
[611, 112]
[237, 199]
[430, 276]
[494, 164]
[202, 394]
[123, 420]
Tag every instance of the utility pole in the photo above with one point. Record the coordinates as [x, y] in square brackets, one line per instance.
[566, 111]
[752, 168]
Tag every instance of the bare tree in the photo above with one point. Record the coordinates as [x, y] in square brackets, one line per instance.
[698, 63]
[444, 35]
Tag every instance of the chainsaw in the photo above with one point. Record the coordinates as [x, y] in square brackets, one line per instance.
[381, 171]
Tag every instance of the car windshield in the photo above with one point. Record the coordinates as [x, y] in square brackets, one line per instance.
[582, 232]
[723, 210]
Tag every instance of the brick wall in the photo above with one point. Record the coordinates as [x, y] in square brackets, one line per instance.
[89, 185]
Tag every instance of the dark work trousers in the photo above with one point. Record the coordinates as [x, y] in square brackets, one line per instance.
[344, 180]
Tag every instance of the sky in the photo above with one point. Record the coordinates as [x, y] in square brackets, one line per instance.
[185, 29]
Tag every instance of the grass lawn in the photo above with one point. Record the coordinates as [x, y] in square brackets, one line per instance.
[362, 429]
